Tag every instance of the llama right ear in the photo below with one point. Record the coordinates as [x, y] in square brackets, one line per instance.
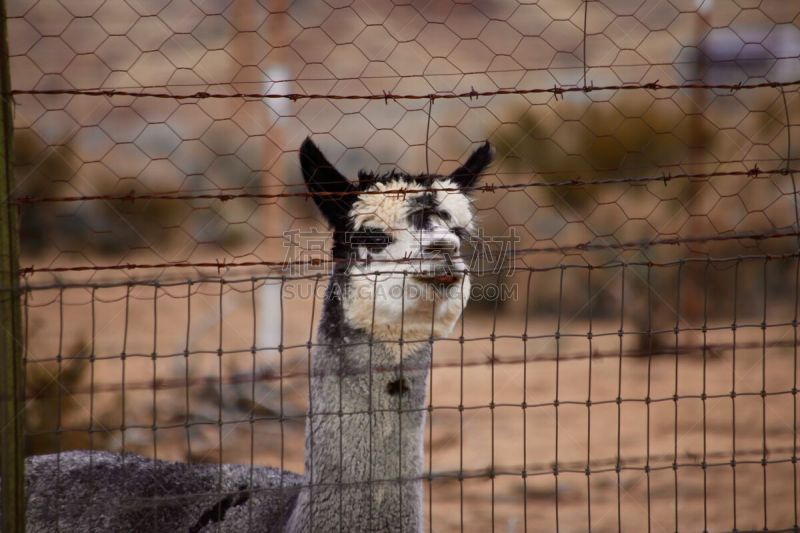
[467, 175]
[331, 191]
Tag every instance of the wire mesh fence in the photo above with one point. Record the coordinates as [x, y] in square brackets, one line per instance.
[628, 359]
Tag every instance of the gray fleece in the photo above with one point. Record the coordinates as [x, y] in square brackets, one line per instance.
[364, 438]
[103, 491]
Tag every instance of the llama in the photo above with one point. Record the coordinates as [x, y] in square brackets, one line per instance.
[398, 283]
[364, 434]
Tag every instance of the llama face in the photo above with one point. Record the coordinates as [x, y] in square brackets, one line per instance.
[409, 266]
[400, 238]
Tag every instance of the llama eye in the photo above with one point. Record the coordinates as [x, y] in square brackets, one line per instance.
[373, 239]
[461, 233]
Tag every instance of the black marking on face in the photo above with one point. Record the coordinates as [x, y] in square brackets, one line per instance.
[373, 239]
[397, 387]
[422, 208]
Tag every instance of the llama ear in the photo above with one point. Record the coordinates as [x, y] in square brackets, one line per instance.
[327, 186]
[467, 175]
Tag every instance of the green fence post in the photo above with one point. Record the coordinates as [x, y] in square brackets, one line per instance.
[12, 419]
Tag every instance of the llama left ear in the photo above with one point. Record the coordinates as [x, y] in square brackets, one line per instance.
[330, 190]
[467, 175]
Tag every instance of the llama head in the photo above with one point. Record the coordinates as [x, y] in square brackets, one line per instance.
[399, 238]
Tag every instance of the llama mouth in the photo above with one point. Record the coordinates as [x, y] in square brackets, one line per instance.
[439, 279]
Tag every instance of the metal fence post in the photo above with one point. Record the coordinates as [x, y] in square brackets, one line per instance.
[12, 420]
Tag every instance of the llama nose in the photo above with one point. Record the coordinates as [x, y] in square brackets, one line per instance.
[445, 247]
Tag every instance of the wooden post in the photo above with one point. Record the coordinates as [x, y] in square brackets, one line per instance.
[12, 415]
[273, 224]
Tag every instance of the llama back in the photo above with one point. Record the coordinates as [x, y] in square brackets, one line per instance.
[104, 491]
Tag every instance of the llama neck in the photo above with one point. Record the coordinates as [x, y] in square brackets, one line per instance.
[364, 433]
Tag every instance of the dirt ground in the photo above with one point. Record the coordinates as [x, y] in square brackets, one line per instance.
[524, 431]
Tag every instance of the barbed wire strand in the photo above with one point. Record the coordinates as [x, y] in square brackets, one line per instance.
[386, 96]
[665, 178]
[590, 245]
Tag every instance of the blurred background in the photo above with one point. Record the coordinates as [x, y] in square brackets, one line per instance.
[129, 358]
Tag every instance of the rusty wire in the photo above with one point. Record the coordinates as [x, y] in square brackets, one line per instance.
[556, 91]
[223, 264]
[665, 178]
